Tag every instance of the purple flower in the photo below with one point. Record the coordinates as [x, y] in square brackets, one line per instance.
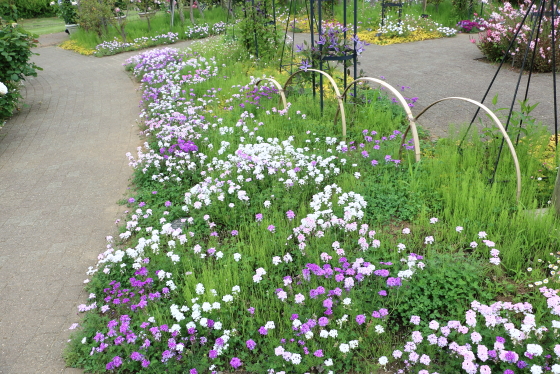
[521, 364]
[131, 200]
[135, 356]
[235, 362]
[499, 339]
[290, 214]
[318, 353]
[193, 371]
[382, 293]
[251, 344]
[251, 310]
[141, 204]
[294, 316]
[145, 363]
[271, 228]
[360, 319]
[323, 321]
[168, 203]
[305, 65]
[258, 217]
[509, 371]
[213, 354]
[234, 233]
[263, 330]
[393, 282]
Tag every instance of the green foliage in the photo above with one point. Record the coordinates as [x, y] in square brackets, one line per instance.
[33, 8]
[15, 53]
[443, 290]
[390, 196]
[96, 15]
[66, 10]
[8, 12]
[257, 32]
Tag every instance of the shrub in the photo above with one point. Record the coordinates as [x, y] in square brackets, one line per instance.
[500, 28]
[15, 53]
[34, 8]
[95, 15]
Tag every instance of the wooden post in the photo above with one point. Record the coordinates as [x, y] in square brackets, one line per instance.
[556, 195]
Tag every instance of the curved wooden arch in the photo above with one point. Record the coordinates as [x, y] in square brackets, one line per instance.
[336, 91]
[498, 123]
[278, 86]
[402, 101]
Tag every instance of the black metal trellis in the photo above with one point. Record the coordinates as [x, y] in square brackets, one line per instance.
[317, 23]
[536, 18]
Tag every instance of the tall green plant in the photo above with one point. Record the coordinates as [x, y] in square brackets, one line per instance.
[258, 35]
[15, 53]
[96, 15]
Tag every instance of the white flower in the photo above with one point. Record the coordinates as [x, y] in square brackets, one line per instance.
[333, 333]
[84, 340]
[217, 326]
[3, 89]
[237, 257]
[353, 344]
[555, 369]
[344, 348]
[383, 360]
[324, 334]
[379, 329]
[295, 358]
[328, 362]
[199, 289]
[347, 301]
[534, 349]
[206, 306]
[536, 369]
[269, 325]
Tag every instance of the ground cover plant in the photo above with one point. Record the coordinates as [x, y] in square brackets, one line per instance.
[256, 239]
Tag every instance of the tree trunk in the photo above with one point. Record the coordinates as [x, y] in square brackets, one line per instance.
[181, 12]
[191, 12]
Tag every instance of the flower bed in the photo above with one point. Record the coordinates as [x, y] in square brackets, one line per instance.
[247, 247]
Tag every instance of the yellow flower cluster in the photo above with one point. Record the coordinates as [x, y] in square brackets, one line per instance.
[72, 45]
[416, 36]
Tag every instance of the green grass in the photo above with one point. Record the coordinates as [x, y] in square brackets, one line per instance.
[42, 26]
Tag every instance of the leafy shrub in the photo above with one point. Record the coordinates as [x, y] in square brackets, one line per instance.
[500, 28]
[15, 53]
[34, 8]
[95, 15]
